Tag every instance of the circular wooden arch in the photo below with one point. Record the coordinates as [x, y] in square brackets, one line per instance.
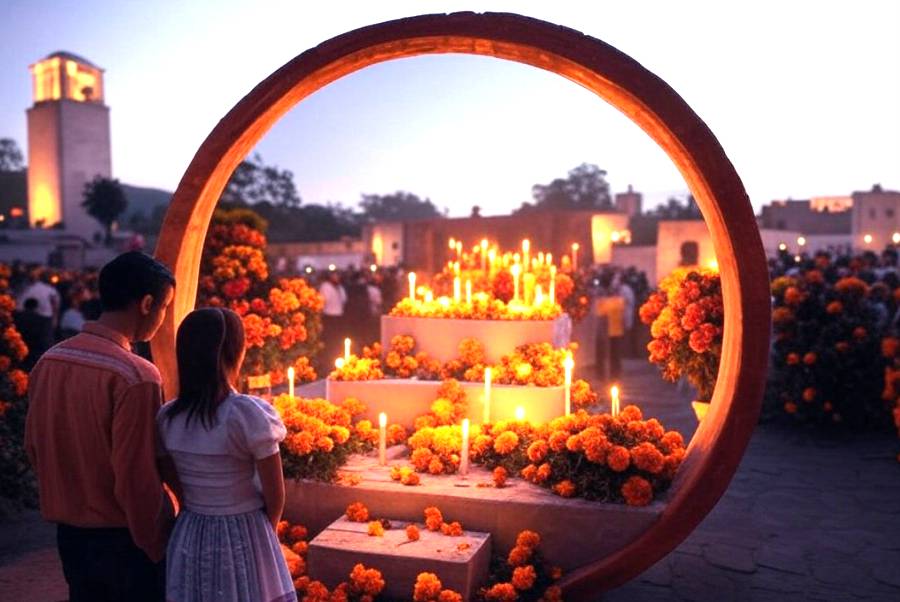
[719, 443]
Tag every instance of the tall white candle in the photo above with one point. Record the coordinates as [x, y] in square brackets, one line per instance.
[526, 249]
[412, 286]
[568, 365]
[515, 270]
[487, 395]
[614, 404]
[347, 349]
[457, 289]
[552, 284]
[382, 438]
[468, 291]
[538, 295]
[464, 451]
[484, 250]
[575, 246]
[290, 375]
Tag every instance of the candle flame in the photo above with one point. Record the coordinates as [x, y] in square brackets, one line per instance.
[339, 363]
[520, 413]
[382, 420]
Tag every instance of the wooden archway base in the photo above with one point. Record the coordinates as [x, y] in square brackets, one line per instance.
[719, 443]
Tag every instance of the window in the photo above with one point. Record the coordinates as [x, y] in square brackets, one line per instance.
[889, 212]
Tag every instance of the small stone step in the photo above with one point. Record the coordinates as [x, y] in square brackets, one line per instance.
[461, 563]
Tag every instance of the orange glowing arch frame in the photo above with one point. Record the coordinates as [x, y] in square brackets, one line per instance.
[720, 440]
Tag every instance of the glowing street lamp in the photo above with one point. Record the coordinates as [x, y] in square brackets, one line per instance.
[867, 239]
[801, 240]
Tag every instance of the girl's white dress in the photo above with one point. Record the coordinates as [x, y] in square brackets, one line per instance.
[223, 548]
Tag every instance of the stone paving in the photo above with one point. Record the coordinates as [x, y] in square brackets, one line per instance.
[805, 518]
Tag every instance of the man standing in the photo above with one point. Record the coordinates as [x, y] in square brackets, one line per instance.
[46, 296]
[335, 298]
[90, 434]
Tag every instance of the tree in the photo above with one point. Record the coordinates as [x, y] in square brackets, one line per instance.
[585, 187]
[676, 208]
[397, 206]
[10, 155]
[254, 182]
[105, 201]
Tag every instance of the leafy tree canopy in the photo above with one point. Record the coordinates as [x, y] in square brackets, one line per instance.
[105, 201]
[399, 205]
[676, 208]
[585, 187]
[254, 182]
[10, 155]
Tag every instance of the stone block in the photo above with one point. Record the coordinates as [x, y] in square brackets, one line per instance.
[461, 563]
[440, 337]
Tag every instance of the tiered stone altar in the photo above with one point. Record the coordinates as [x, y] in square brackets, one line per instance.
[573, 531]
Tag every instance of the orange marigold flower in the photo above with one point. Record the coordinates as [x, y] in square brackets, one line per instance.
[564, 488]
[357, 512]
[790, 407]
[528, 539]
[618, 458]
[553, 594]
[523, 577]
[646, 457]
[297, 533]
[544, 472]
[859, 333]
[537, 450]
[412, 532]
[809, 394]
[453, 529]
[448, 595]
[792, 359]
[809, 358]
[433, 518]
[834, 308]
[519, 556]
[889, 346]
[368, 582]
[427, 587]
[637, 491]
[506, 442]
[557, 440]
[499, 475]
[501, 592]
[376, 529]
[528, 473]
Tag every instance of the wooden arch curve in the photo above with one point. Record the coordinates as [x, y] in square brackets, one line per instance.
[719, 443]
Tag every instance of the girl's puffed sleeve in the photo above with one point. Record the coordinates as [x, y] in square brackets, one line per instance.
[255, 428]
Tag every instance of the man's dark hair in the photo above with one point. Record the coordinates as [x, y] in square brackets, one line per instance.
[31, 304]
[129, 277]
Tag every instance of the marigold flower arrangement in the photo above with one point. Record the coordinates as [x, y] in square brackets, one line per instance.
[522, 574]
[482, 307]
[320, 436]
[16, 479]
[686, 318]
[831, 365]
[282, 318]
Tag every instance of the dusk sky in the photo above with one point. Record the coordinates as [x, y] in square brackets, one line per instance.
[804, 96]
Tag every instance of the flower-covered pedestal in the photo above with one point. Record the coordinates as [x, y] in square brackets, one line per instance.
[462, 561]
[440, 337]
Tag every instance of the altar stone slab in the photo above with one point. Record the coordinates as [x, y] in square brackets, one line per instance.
[461, 563]
[440, 337]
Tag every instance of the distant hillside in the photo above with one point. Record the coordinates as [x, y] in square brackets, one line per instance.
[142, 201]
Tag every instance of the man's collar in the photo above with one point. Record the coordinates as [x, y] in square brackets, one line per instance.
[98, 329]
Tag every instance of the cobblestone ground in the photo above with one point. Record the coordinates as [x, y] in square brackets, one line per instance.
[804, 519]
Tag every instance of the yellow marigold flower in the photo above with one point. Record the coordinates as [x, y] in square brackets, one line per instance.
[506, 443]
[523, 577]
[376, 529]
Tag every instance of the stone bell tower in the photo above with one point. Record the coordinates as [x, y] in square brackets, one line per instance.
[68, 141]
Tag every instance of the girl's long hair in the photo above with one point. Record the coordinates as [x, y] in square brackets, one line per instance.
[209, 348]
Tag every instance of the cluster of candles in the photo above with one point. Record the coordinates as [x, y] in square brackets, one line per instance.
[490, 259]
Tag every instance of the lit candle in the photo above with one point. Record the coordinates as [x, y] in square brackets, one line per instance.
[382, 438]
[520, 413]
[339, 363]
[614, 404]
[412, 286]
[487, 395]
[290, 372]
[568, 365]
[457, 289]
[484, 250]
[538, 295]
[347, 349]
[452, 243]
[458, 250]
[456, 268]
[468, 291]
[515, 269]
[492, 259]
[575, 247]
[540, 258]
[552, 284]
[429, 296]
[549, 258]
[464, 451]
[526, 249]
[528, 282]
